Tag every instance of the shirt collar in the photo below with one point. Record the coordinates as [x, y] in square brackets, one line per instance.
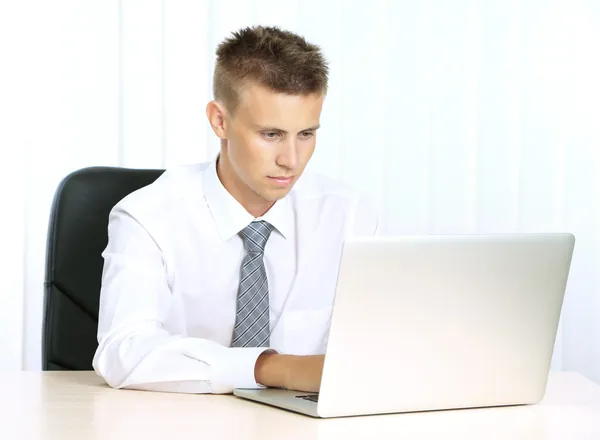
[231, 217]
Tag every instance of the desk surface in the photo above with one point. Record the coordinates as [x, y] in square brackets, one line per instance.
[77, 405]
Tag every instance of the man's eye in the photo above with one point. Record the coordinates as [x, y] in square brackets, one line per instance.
[307, 134]
[270, 134]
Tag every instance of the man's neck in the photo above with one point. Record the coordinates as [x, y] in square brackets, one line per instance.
[255, 205]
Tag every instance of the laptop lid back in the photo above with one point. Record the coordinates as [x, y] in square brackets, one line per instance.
[440, 322]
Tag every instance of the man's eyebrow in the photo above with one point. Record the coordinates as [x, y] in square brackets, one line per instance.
[262, 128]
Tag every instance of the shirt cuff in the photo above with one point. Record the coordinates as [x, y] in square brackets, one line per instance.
[235, 369]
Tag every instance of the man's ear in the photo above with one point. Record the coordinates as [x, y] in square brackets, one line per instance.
[217, 117]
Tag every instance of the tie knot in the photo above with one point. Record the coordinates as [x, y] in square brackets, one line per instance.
[255, 236]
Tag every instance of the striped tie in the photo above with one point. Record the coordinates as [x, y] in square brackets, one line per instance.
[252, 317]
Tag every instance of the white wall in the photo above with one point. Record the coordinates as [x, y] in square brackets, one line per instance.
[463, 116]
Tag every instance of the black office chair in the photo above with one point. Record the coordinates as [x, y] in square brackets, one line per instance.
[77, 235]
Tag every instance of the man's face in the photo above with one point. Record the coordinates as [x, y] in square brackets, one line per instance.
[270, 140]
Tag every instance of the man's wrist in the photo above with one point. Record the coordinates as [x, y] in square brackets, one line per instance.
[272, 369]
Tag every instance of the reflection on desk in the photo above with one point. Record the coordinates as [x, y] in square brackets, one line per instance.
[78, 405]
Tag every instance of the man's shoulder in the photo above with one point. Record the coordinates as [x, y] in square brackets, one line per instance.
[335, 196]
[174, 185]
[316, 185]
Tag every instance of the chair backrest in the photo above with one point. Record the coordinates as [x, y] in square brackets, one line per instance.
[77, 235]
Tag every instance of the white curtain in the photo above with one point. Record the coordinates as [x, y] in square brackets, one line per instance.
[459, 117]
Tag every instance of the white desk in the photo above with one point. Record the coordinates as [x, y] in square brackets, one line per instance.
[77, 405]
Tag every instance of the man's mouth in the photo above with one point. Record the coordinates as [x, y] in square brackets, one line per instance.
[282, 180]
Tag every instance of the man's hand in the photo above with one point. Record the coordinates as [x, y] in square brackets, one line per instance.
[298, 373]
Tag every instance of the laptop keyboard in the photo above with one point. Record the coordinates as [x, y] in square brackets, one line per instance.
[311, 397]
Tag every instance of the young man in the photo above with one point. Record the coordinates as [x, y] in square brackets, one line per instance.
[222, 275]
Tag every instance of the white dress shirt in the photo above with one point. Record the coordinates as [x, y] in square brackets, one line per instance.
[171, 275]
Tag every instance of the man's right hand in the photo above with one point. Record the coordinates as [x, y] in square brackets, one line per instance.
[298, 373]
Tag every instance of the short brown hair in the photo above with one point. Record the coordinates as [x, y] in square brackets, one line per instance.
[280, 60]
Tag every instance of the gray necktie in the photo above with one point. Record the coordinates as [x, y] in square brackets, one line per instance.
[252, 317]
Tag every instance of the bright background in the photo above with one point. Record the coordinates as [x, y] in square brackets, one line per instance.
[459, 117]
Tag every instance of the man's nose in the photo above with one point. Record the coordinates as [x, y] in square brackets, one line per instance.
[287, 156]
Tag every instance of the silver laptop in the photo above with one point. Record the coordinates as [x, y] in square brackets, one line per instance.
[438, 322]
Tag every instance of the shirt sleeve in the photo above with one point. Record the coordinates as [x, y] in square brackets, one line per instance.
[134, 349]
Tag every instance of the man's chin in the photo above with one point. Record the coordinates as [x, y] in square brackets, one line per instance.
[272, 195]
